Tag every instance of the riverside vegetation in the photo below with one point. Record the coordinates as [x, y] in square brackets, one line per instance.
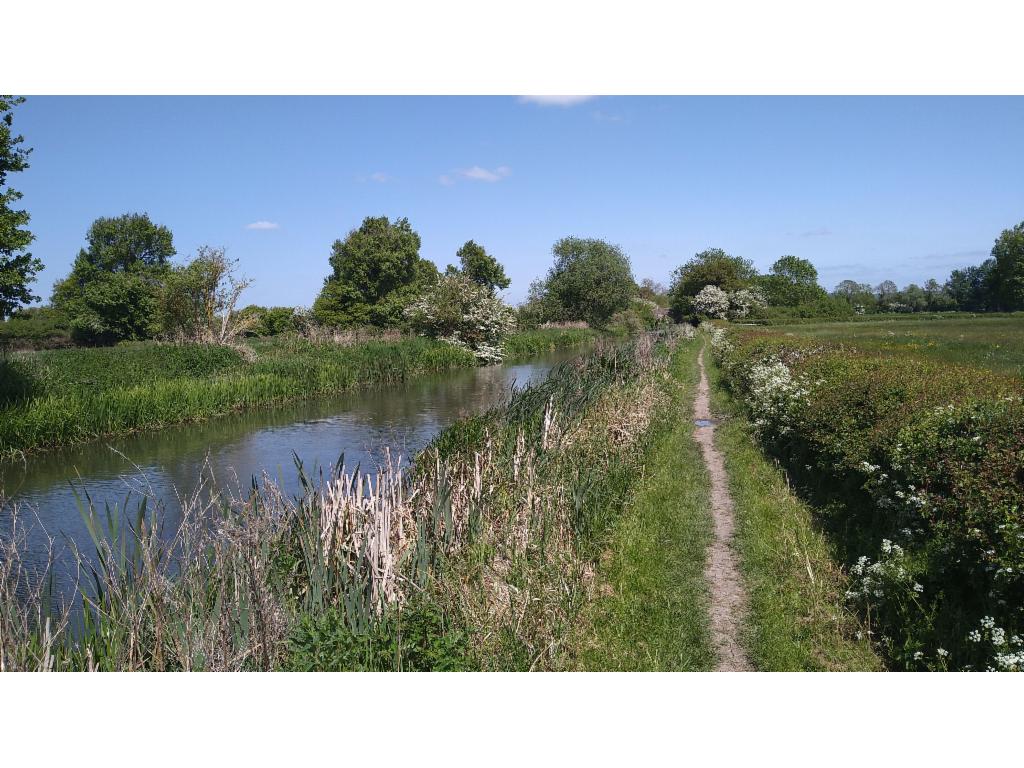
[482, 555]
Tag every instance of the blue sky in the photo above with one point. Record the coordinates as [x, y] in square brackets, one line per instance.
[866, 188]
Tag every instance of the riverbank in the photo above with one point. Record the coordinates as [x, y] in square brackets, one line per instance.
[481, 558]
[62, 397]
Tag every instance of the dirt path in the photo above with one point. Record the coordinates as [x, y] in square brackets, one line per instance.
[728, 597]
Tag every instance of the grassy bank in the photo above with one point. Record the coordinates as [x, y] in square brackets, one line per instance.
[798, 619]
[652, 615]
[482, 556]
[59, 397]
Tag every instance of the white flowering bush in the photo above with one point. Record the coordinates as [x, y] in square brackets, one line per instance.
[711, 301]
[744, 301]
[461, 312]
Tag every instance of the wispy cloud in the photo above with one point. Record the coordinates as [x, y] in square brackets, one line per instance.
[380, 177]
[475, 173]
[263, 225]
[956, 256]
[554, 101]
[607, 117]
[819, 232]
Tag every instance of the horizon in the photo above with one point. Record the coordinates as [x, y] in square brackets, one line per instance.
[867, 189]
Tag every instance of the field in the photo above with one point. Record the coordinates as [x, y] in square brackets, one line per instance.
[904, 440]
[59, 397]
[995, 343]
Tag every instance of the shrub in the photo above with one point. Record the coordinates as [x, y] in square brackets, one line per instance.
[465, 313]
[926, 458]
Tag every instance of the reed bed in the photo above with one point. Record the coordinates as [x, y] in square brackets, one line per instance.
[479, 555]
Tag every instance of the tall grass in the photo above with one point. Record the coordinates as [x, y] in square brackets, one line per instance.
[481, 555]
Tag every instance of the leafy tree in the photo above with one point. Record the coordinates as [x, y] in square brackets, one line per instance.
[886, 292]
[591, 279]
[972, 288]
[482, 268]
[1008, 275]
[268, 321]
[376, 273]
[711, 267]
[793, 281]
[113, 289]
[18, 268]
[914, 297]
[855, 294]
[197, 303]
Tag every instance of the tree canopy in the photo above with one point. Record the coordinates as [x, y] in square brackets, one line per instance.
[376, 272]
[1008, 269]
[115, 282]
[18, 268]
[591, 279]
[710, 267]
[793, 281]
[482, 268]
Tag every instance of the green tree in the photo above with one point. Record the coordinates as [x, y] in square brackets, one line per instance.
[591, 279]
[482, 268]
[972, 288]
[711, 267]
[793, 281]
[18, 268]
[113, 289]
[376, 273]
[1008, 275]
[198, 301]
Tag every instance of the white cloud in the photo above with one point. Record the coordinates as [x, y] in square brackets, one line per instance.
[445, 179]
[554, 101]
[476, 173]
[263, 225]
[380, 177]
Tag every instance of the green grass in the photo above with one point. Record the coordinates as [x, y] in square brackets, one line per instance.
[541, 340]
[656, 617]
[995, 343]
[798, 619]
[60, 397]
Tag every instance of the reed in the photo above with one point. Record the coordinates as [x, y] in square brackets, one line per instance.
[479, 555]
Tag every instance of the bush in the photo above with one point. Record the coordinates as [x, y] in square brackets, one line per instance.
[465, 313]
[35, 328]
[922, 464]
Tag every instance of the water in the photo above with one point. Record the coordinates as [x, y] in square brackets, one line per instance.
[234, 449]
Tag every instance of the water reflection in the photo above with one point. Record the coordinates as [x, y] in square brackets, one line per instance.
[237, 448]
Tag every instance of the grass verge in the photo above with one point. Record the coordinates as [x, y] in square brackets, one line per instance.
[798, 619]
[654, 615]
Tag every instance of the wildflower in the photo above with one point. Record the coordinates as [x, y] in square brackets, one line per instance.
[918, 655]
[942, 652]
[918, 587]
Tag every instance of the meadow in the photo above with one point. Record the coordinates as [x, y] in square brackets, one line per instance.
[995, 343]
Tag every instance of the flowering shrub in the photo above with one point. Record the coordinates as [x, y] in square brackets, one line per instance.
[464, 313]
[743, 301]
[927, 458]
[711, 301]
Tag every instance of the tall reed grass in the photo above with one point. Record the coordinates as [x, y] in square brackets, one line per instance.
[478, 556]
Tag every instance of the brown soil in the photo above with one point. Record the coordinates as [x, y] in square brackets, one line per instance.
[728, 596]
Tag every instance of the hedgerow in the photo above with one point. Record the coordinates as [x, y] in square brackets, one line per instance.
[919, 466]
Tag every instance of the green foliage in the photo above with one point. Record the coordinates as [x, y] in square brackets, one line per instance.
[921, 465]
[1008, 273]
[376, 273]
[482, 268]
[82, 394]
[18, 268]
[416, 638]
[591, 280]
[793, 281]
[113, 290]
[197, 301]
[711, 267]
[35, 328]
[463, 312]
[539, 341]
[268, 321]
